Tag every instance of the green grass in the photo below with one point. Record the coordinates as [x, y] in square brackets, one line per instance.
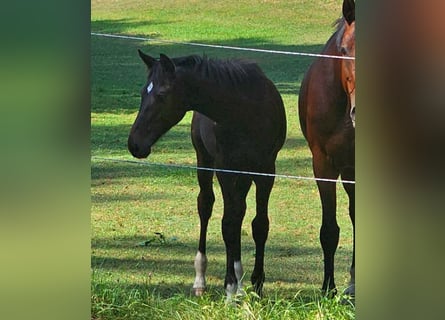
[131, 203]
[138, 302]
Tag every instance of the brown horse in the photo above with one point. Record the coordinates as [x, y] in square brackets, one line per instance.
[327, 118]
[239, 123]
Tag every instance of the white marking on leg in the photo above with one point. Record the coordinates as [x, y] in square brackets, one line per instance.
[200, 269]
[230, 292]
[236, 288]
[239, 273]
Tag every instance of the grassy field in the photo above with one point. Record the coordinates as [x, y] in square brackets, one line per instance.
[144, 222]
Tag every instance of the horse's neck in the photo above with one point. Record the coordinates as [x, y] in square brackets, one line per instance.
[209, 99]
[332, 78]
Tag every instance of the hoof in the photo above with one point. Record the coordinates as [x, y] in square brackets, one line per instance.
[199, 291]
[348, 296]
[350, 291]
[329, 293]
[347, 300]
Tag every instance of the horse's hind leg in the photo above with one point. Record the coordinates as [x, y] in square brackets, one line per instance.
[350, 190]
[260, 229]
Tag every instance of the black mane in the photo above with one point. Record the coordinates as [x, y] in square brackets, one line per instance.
[232, 72]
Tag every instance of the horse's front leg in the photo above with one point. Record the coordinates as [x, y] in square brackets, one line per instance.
[350, 190]
[234, 190]
[206, 198]
[329, 231]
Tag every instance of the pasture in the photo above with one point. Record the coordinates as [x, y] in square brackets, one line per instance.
[144, 221]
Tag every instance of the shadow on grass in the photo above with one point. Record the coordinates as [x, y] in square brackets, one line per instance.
[284, 264]
[213, 292]
[123, 25]
[97, 198]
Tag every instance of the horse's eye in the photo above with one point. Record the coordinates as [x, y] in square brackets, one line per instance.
[344, 51]
[163, 91]
[161, 95]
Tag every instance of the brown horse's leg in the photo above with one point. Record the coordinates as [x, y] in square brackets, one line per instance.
[260, 229]
[234, 189]
[329, 231]
[350, 190]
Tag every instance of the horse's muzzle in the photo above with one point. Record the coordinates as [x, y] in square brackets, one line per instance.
[137, 150]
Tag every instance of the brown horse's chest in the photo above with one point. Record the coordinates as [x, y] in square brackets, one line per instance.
[340, 148]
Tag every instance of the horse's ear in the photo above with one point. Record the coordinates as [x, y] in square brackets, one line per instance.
[167, 64]
[349, 11]
[149, 61]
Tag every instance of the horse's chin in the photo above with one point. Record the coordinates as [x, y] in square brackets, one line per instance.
[141, 153]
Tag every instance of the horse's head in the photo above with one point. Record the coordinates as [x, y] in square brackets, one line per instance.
[160, 108]
[346, 46]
